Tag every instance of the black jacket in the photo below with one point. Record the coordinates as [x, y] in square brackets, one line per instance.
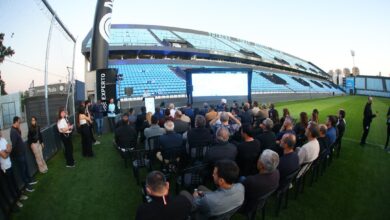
[178, 208]
[18, 146]
[34, 135]
[368, 116]
[126, 136]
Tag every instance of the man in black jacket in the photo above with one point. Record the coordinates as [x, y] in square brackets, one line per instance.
[160, 205]
[368, 116]
[125, 134]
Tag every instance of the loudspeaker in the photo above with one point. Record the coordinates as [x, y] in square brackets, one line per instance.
[129, 91]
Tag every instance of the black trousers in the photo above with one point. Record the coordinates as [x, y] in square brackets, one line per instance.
[366, 129]
[388, 136]
[111, 122]
[67, 140]
[86, 140]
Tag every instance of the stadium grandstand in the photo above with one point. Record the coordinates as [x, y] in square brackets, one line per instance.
[151, 57]
[368, 85]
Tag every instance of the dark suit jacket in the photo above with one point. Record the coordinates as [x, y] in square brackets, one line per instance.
[178, 208]
[126, 136]
[181, 126]
[199, 137]
[368, 116]
[221, 151]
[171, 140]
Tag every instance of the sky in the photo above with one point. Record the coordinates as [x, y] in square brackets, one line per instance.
[323, 32]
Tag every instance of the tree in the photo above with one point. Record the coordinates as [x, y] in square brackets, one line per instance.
[4, 52]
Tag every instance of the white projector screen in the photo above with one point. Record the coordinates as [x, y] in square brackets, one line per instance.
[219, 84]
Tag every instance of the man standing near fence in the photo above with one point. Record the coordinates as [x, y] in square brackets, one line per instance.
[18, 155]
[98, 112]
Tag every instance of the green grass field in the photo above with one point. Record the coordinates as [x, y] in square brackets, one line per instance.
[355, 186]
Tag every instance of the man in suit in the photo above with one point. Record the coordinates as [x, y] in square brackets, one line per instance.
[367, 119]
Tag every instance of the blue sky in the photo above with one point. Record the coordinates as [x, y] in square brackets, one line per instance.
[322, 32]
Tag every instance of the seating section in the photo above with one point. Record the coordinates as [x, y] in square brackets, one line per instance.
[374, 84]
[360, 83]
[164, 35]
[161, 80]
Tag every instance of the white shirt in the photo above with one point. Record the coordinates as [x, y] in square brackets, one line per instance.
[5, 163]
[62, 125]
[111, 110]
[309, 152]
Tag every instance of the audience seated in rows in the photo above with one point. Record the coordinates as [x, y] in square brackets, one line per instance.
[228, 196]
[125, 134]
[160, 204]
[200, 135]
[248, 152]
[309, 151]
[169, 140]
[222, 149]
[267, 138]
[153, 130]
[289, 162]
[265, 181]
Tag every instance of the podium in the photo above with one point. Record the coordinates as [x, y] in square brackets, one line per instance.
[149, 104]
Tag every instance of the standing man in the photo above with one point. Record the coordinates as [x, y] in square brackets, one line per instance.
[98, 111]
[111, 115]
[18, 155]
[388, 130]
[367, 119]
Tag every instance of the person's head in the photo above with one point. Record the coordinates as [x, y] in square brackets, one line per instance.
[246, 131]
[131, 111]
[341, 113]
[212, 108]
[178, 114]
[156, 184]
[247, 106]
[287, 124]
[267, 124]
[171, 106]
[331, 121]
[369, 101]
[323, 129]
[16, 122]
[61, 113]
[286, 112]
[225, 173]
[268, 161]
[154, 120]
[81, 110]
[255, 104]
[143, 109]
[169, 126]
[312, 131]
[200, 121]
[87, 103]
[167, 112]
[223, 101]
[222, 135]
[288, 141]
[205, 105]
[125, 117]
[303, 118]
[111, 100]
[272, 106]
[224, 117]
[315, 111]
[33, 121]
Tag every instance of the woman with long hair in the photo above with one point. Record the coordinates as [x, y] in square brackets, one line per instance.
[35, 141]
[86, 139]
[314, 116]
[286, 114]
[300, 129]
[65, 129]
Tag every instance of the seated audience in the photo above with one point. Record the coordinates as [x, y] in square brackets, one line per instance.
[287, 128]
[153, 130]
[161, 205]
[200, 135]
[223, 149]
[222, 120]
[289, 162]
[323, 140]
[267, 139]
[180, 126]
[228, 196]
[265, 181]
[331, 132]
[309, 151]
[125, 134]
[248, 152]
[169, 140]
[300, 129]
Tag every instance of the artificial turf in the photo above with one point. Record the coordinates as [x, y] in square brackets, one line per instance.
[355, 186]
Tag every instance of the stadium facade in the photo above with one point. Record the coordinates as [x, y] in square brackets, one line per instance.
[154, 57]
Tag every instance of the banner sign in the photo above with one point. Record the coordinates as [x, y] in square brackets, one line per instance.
[106, 86]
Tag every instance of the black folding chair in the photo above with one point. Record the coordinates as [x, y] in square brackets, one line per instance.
[225, 216]
[191, 177]
[197, 153]
[172, 159]
[140, 159]
[299, 181]
[153, 143]
[282, 191]
[260, 204]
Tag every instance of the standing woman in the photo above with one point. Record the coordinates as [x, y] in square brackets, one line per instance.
[65, 129]
[388, 130]
[35, 141]
[86, 139]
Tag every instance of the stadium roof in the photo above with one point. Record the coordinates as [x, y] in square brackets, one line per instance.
[129, 41]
